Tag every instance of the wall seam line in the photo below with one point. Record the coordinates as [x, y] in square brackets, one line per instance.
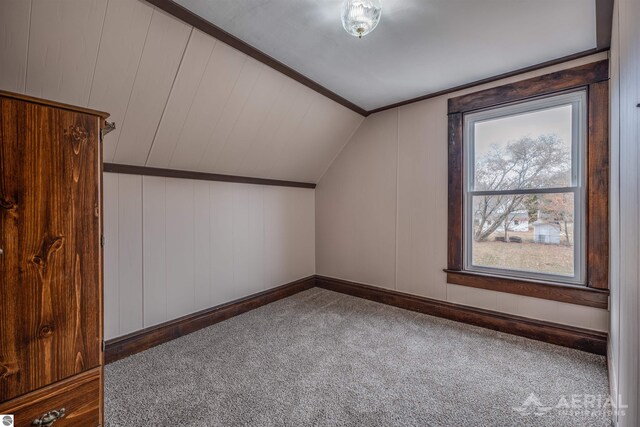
[142, 243]
[95, 63]
[175, 147]
[344, 145]
[26, 63]
[118, 237]
[207, 147]
[135, 77]
[164, 108]
[397, 194]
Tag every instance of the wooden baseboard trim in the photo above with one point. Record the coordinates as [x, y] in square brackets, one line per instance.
[121, 347]
[567, 336]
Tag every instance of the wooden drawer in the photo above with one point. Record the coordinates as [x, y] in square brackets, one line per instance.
[78, 395]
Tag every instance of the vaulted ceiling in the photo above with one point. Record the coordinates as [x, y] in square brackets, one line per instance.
[183, 99]
[180, 98]
[419, 46]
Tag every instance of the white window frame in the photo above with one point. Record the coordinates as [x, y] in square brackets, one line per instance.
[578, 100]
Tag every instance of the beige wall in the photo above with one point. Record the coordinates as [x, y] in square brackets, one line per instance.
[381, 213]
[180, 98]
[175, 246]
[624, 343]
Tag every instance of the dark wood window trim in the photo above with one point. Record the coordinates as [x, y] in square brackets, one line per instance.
[594, 78]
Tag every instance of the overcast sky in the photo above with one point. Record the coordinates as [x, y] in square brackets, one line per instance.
[555, 120]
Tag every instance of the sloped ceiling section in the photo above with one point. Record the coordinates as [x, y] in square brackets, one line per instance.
[180, 98]
[419, 47]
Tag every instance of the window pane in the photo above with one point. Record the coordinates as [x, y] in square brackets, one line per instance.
[530, 150]
[530, 232]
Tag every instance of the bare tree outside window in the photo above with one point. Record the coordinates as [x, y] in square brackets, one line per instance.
[543, 162]
[523, 188]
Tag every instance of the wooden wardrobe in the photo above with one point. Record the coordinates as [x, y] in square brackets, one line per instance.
[50, 263]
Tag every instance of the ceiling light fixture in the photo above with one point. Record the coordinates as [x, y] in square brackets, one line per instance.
[360, 17]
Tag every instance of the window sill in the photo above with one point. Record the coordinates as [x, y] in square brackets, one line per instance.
[572, 294]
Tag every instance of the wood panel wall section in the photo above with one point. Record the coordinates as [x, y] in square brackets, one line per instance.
[594, 78]
[176, 246]
[567, 336]
[173, 8]
[138, 341]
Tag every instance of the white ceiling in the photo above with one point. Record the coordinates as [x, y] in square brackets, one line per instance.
[419, 47]
[180, 98]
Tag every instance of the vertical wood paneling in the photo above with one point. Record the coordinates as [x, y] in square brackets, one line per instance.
[356, 206]
[422, 186]
[472, 296]
[289, 131]
[217, 83]
[268, 145]
[554, 311]
[221, 242]
[327, 126]
[256, 250]
[165, 43]
[154, 226]
[237, 99]
[175, 246]
[125, 29]
[329, 137]
[180, 99]
[190, 73]
[130, 252]
[202, 244]
[289, 234]
[63, 47]
[180, 247]
[111, 258]
[301, 261]
[277, 238]
[241, 139]
[241, 240]
[14, 27]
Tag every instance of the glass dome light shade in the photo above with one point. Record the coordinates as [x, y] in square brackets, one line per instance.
[360, 17]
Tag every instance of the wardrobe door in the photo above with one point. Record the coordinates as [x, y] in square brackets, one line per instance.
[50, 282]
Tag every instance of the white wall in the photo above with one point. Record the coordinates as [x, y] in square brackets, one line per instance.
[624, 344]
[381, 213]
[176, 246]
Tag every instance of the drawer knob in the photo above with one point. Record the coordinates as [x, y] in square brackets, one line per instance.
[49, 418]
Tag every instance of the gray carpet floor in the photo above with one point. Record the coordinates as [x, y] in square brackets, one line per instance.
[321, 358]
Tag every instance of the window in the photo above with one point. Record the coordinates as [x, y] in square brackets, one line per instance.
[524, 189]
[529, 187]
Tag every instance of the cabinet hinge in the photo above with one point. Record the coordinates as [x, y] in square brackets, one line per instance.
[108, 127]
[102, 240]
